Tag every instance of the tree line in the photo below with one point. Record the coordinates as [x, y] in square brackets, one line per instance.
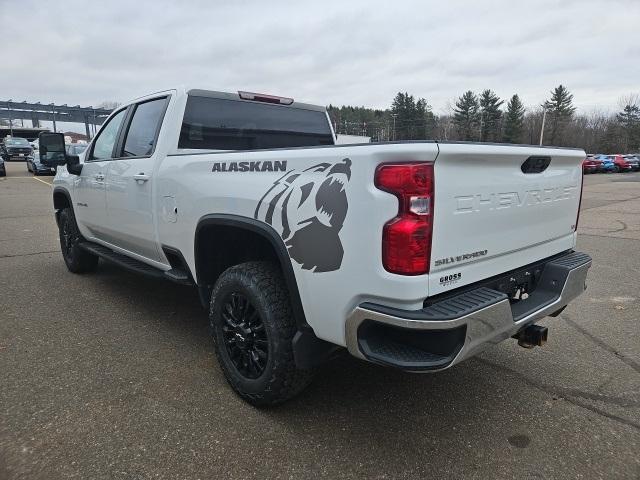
[485, 117]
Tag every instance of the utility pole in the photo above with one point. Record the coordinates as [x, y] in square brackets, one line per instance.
[10, 118]
[53, 113]
[394, 115]
[544, 117]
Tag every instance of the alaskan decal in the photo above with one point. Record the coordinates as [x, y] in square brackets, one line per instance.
[263, 166]
[307, 208]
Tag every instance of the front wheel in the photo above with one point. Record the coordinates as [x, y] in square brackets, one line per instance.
[253, 327]
[76, 259]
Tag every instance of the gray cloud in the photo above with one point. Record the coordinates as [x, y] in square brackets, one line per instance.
[335, 52]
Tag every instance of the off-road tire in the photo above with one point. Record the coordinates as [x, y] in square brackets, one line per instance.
[262, 283]
[76, 259]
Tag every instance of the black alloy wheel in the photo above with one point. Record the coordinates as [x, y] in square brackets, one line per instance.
[76, 259]
[253, 330]
[245, 336]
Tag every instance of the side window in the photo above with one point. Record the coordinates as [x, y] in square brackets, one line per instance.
[143, 128]
[106, 139]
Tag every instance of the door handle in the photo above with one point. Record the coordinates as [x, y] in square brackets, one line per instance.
[99, 177]
[141, 177]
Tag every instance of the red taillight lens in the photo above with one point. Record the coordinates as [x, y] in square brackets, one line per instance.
[406, 239]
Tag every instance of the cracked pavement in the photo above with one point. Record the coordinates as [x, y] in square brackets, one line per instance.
[111, 375]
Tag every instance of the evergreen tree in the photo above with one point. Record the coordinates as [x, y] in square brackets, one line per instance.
[559, 109]
[403, 109]
[466, 116]
[425, 120]
[514, 120]
[358, 121]
[414, 119]
[490, 116]
[629, 121]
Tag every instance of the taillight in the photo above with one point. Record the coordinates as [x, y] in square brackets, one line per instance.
[406, 238]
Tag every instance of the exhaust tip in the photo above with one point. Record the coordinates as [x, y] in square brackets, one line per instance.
[532, 336]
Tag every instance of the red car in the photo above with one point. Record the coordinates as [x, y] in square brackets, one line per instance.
[621, 163]
[591, 165]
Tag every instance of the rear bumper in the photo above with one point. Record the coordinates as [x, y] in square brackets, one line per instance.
[458, 327]
[44, 170]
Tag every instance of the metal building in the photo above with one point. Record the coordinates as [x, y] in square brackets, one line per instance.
[38, 112]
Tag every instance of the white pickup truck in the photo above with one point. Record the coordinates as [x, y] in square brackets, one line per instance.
[415, 255]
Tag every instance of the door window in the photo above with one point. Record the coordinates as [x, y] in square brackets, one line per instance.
[143, 129]
[106, 139]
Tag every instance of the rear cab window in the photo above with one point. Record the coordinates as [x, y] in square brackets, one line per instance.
[223, 124]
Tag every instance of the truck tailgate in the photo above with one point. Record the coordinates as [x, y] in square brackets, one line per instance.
[500, 207]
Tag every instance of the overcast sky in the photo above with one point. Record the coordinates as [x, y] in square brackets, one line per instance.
[338, 52]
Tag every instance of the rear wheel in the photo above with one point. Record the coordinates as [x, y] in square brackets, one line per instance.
[252, 327]
[76, 259]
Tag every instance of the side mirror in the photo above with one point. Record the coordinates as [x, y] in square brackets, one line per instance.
[52, 152]
[74, 167]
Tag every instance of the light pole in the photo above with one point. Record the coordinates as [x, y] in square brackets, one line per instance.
[53, 114]
[544, 117]
[10, 118]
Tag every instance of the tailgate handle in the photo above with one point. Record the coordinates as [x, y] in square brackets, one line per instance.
[535, 164]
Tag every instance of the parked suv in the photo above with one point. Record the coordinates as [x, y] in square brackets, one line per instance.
[606, 164]
[591, 164]
[75, 148]
[16, 148]
[634, 161]
[35, 166]
[621, 163]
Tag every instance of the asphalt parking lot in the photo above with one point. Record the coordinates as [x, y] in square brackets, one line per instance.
[111, 375]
